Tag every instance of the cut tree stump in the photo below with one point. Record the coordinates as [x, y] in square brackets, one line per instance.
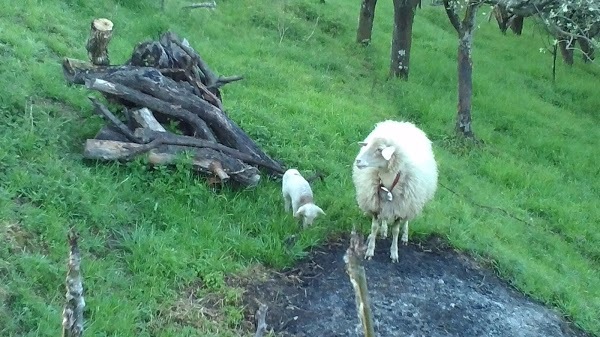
[97, 43]
[172, 104]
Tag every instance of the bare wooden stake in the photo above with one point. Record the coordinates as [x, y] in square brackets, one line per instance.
[261, 320]
[356, 272]
[97, 43]
[73, 312]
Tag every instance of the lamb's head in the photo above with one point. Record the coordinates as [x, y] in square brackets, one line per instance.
[376, 153]
[308, 212]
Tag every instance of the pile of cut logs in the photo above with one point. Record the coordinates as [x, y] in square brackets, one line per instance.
[165, 83]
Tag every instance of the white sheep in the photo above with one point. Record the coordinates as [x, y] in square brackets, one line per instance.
[298, 197]
[395, 174]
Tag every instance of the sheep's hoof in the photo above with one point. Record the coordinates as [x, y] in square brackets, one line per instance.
[368, 255]
[394, 256]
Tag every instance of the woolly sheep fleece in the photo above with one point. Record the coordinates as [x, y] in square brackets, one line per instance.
[412, 157]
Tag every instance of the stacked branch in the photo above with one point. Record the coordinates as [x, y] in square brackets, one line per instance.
[167, 83]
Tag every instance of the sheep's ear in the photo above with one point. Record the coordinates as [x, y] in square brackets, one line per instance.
[362, 143]
[387, 152]
[320, 210]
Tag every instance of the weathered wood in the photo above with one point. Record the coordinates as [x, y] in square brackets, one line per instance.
[261, 320]
[216, 168]
[110, 132]
[97, 43]
[145, 119]
[168, 138]
[358, 279]
[72, 321]
[139, 98]
[144, 86]
[103, 111]
[167, 81]
[150, 81]
[210, 79]
[203, 158]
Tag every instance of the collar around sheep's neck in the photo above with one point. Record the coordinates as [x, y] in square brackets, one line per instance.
[396, 179]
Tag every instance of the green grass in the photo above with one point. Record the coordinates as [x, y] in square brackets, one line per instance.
[152, 237]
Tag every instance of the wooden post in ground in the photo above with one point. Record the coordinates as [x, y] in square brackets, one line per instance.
[358, 278]
[73, 312]
[97, 43]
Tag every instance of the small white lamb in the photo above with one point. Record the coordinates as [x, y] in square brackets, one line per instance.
[395, 174]
[298, 197]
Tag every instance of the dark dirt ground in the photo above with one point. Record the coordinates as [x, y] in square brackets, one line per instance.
[433, 291]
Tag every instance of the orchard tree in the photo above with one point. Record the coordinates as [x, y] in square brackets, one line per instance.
[404, 14]
[571, 20]
[365, 21]
[465, 28]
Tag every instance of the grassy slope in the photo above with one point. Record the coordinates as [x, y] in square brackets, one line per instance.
[150, 236]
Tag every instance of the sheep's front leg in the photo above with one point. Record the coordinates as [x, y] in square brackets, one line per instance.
[405, 233]
[371, 239]
[383, 229]
[394, 246]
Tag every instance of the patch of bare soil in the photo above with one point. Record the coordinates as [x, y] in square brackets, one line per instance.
[433, 291]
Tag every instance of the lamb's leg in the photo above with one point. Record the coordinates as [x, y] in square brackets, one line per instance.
[405, 233]
[287, 203]
[371, 239]
[394, 247]
[383, 229]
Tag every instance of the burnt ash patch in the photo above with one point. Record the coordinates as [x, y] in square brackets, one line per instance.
[433, 291]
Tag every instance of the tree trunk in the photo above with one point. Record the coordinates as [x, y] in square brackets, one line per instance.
[465, 72]
[566, 49]
[516, 24]
[365, 21]
[404, 14]
[587, 50]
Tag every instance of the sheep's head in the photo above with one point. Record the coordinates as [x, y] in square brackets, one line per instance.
[376, 153]
[308, 212]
